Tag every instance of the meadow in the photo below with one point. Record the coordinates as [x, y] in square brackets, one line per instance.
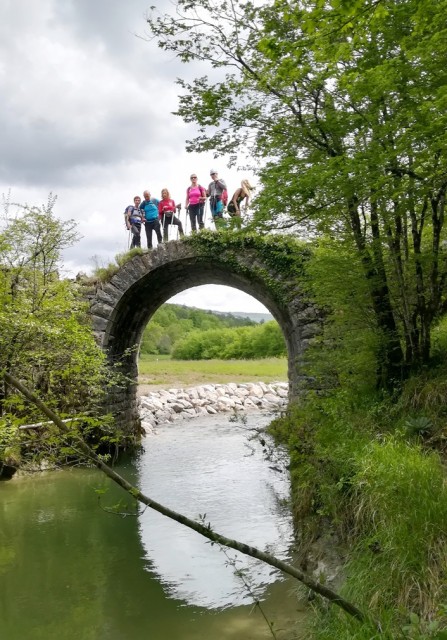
[161, 371]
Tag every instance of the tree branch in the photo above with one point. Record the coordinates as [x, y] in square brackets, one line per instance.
[204, 530]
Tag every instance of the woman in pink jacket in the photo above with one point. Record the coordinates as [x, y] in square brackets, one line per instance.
[195, 203]
[166, 211]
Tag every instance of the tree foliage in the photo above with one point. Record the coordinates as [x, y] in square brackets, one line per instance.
[261, 341]
[45, 336]
[342, 105]
[172, 323]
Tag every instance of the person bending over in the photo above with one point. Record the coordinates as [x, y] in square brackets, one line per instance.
[166, 211]
[149, 207]
[234, 206]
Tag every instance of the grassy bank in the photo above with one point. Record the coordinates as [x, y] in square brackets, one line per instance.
[372, 470]
[162, 371]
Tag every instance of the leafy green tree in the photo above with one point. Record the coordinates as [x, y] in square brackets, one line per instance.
[259, 341]
[199, 345]
[45, 336]
[172, 323]
[342, 105]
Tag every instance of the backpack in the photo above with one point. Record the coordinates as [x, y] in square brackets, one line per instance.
[225, 197]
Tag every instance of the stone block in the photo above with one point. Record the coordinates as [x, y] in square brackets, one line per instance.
[271, 397]
[210, 409]
[229, 402]
[249, 405]
[257, 391]
[147, 427]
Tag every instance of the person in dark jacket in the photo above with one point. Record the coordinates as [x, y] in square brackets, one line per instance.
[215, 190]
[133, 219]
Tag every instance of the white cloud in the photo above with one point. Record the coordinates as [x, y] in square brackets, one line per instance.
[219, 298]
[86, 114]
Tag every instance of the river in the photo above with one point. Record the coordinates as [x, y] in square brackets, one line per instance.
[70, 570]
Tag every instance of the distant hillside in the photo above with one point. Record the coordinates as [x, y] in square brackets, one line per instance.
[172, 322]
[254, 317]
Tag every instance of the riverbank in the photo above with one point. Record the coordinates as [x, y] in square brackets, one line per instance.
[170, 405]
[370, 469]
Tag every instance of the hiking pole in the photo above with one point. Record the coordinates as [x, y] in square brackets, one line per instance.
[186, 220]
[205, 212]
[164, 228]
[179, 208]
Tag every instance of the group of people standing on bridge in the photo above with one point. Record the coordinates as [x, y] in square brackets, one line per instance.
[158, 216]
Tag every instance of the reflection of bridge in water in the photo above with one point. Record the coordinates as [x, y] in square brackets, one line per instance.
[267, 268]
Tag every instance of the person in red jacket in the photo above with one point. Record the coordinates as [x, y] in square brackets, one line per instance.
[166, 211]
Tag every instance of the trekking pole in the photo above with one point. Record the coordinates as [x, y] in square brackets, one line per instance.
[186, 220]
[164, 228]
[205, 212]
[202, 214]
[179, 208]
[172, 220]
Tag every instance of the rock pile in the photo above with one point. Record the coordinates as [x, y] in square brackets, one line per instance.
[181, 404]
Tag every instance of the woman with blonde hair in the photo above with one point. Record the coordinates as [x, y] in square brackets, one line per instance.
[166, 211]
[241, 194]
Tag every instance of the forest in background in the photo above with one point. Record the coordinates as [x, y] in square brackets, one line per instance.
[194, 334]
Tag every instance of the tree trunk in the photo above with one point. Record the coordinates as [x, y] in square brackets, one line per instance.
[390, 356]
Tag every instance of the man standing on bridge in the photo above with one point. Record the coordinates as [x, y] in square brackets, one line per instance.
[133, 218]
[150, 208]
[215, 191]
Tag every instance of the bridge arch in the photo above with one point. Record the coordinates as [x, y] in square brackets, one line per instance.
[268, 268]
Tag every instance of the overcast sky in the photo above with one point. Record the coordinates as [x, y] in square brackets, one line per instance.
[86, 114]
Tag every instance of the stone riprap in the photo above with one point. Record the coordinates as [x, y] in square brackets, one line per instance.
[159, 407]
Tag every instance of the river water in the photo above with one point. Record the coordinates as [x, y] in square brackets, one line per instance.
[71, 570]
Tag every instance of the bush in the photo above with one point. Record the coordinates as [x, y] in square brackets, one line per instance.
[260, 341]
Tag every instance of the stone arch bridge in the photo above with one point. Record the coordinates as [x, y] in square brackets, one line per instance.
[268, 268]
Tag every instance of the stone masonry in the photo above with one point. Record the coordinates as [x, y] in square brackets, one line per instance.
[121, 308]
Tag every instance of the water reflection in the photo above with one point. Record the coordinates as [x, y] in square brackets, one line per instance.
[71, 571]
[200, 468]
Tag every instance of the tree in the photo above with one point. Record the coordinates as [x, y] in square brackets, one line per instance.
[240, 343]
[342, 105]
[45, 335]
[172, 323]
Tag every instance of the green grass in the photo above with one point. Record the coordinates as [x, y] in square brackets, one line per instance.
[162, 371]
[384, 491]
